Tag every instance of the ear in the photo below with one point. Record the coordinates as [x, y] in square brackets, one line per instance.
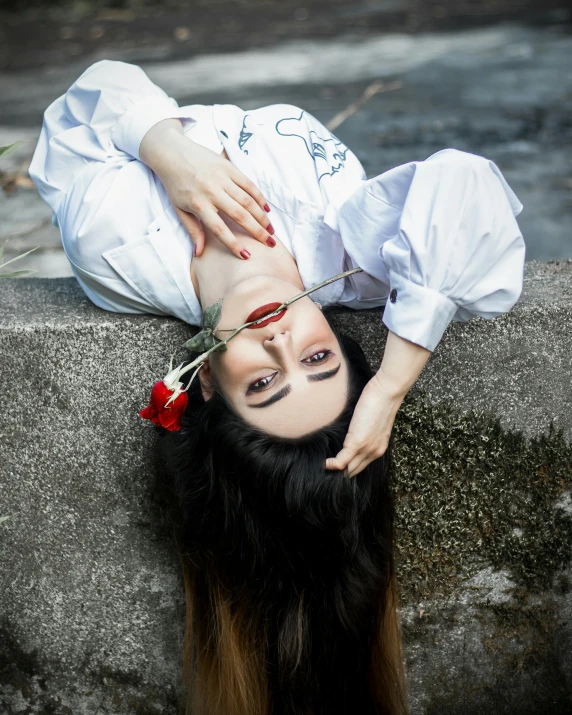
[206, 380]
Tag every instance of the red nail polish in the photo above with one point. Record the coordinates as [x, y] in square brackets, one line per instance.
[244, 253]
[271, 242]
[270, 228]
[194, 249]
[266, 208]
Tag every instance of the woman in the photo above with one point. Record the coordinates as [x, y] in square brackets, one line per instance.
[288, 567]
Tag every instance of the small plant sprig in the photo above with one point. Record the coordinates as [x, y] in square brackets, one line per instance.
[14, 274]
[6, 151]
[168, 396]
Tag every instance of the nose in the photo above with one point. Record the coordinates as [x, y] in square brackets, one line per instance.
[276, 336]
[278, 341]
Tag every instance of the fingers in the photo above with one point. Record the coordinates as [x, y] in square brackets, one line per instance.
[342, 459]
[358, 464]
[213, 221]
[243, 209]
[351, 467]
[241, 180]
[352, 460]
[194, 228]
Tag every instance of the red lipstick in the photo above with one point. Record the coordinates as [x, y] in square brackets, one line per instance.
[261, 312]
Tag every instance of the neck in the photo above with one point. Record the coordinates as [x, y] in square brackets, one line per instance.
[216, 271]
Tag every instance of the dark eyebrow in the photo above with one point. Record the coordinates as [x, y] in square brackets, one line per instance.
[323, 375]
[275, 397]
[287, 389]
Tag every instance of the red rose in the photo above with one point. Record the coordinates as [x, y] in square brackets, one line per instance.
[168, 416]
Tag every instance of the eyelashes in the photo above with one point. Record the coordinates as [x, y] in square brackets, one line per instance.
[264, 382]
[324, 353]
[260, 385]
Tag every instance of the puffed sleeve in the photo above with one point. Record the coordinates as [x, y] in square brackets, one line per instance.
[104, 115]
[102, 199]
[442, 234]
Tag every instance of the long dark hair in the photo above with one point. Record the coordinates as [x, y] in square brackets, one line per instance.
[288, 568]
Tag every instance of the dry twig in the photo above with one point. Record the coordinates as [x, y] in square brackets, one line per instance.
[368, 93]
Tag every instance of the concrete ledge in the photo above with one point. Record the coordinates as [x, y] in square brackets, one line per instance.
[91, 610]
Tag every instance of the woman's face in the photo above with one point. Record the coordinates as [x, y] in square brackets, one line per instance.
[288, 377]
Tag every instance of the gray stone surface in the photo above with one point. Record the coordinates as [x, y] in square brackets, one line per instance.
[91, 605]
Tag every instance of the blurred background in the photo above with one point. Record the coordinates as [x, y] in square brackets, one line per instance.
[396, 80]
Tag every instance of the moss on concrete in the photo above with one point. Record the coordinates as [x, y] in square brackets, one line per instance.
[470, 493]
[505, 659]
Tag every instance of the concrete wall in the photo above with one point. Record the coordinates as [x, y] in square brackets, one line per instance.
[91, 599]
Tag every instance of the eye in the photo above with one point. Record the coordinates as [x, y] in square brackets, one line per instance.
[265, 382]
[261, 384]
[318, 357]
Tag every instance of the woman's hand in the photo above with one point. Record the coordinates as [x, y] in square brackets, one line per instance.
[372, 421]
[370, 428]
[200, 183]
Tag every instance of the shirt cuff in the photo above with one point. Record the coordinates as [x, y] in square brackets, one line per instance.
[417, 313]
[128, 132]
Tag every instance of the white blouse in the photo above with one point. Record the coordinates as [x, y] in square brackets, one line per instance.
[437, 237]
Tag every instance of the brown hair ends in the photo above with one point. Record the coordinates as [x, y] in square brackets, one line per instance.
[289, 573]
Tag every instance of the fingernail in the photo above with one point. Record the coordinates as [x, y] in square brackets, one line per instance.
[271, 242]
[194, 249]
[244, 253]
[266, 208]
[270, 228]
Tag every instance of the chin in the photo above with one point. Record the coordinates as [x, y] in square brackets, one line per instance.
[265, 286]
[252, 292]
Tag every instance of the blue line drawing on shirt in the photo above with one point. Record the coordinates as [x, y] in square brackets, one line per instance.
[244, 135]
[327, 149]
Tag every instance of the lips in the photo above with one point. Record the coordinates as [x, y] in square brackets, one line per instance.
[261, 312]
